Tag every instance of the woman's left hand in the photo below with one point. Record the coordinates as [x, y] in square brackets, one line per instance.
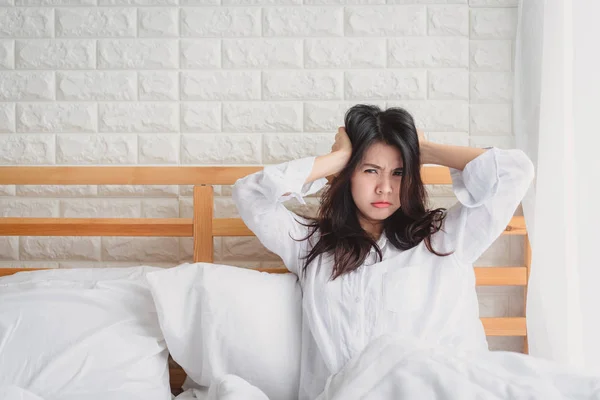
[423, 142]
[422, 138]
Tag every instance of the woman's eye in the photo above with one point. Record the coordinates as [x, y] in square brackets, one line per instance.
[398, 173]
[369, 171]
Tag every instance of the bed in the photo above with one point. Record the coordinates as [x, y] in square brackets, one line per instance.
[203, 227]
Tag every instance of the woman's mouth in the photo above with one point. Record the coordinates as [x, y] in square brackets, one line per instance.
[381, 204]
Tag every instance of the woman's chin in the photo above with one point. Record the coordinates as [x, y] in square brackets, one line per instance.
[379, 214]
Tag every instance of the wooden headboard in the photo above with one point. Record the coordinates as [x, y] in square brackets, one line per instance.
[203, 227]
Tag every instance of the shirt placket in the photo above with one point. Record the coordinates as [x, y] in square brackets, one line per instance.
[361, 304]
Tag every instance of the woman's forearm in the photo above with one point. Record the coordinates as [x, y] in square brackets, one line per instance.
[448, 155]
[328, 164]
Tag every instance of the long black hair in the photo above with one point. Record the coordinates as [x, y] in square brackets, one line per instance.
[340, 232]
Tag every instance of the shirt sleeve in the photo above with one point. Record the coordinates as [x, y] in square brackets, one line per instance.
[259, 199]
[489, 190]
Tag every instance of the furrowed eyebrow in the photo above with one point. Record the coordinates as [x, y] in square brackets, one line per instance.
[372, 165]
[378, 167]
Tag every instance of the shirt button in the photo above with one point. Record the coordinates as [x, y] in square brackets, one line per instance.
[357, 299]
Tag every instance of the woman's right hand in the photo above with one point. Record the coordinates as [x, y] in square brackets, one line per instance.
[329, 165]
[342, 147]
[342, 142]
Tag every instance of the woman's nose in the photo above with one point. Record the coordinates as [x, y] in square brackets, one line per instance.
[384, 186]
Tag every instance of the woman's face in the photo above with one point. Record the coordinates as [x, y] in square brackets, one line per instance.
[375, 184]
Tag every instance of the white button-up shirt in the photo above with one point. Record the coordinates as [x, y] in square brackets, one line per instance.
[411, 292]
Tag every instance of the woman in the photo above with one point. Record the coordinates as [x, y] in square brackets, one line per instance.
[375, 260]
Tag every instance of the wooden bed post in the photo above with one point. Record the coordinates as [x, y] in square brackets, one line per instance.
[203, 223]
[528, 267]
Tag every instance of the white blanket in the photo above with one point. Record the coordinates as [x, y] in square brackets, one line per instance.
[227, 387]
[400, 368]
[393, 367]
[12, 392]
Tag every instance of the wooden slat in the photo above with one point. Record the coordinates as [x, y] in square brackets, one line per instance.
[203, 223]
[236, 227]
[230, 227]
[492, 326]
[485, 276]
[504, 326]
[134, 175]
[181, 227]
[272, 270]
[494, 276]
[166, 175]
[516, 226]
[431, 175]
[501, 276]
[10, 271]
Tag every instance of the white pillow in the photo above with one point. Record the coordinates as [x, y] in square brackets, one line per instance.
[77, 334]
[220, 320]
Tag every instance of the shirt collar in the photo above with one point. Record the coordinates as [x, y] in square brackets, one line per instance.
[382, 242]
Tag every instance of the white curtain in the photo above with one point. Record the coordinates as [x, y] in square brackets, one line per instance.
[556, 119]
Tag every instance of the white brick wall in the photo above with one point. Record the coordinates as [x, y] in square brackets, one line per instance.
[232, 82]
